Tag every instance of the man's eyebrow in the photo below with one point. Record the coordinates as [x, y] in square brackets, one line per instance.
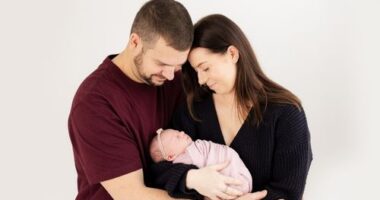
[160, 62]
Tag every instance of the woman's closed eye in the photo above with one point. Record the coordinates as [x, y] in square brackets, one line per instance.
[205, 68]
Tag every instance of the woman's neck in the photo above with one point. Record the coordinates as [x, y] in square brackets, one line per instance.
[225, 99]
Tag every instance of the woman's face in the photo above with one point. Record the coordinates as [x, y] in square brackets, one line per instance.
[217, 71]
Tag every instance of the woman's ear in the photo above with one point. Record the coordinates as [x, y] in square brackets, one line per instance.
[233, 52]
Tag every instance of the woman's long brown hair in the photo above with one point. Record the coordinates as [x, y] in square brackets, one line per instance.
[253, 89]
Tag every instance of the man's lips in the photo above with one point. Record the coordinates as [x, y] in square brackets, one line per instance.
[160, 78]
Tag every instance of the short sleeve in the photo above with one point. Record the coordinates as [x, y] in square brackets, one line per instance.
[103, 145]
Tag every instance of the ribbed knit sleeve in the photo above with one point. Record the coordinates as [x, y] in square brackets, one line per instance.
[292, 155]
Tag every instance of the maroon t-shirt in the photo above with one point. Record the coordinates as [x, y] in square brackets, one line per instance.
[111, 123]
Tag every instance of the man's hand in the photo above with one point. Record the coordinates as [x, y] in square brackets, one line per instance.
[210, 183]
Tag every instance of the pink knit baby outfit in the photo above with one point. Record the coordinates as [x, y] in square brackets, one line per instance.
[202, 153]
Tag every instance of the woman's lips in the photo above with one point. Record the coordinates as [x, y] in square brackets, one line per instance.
[210, 85]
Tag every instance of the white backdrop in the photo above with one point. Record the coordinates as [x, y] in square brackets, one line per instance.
[325, 51]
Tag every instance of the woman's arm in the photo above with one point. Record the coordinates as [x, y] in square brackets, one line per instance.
[292, 156]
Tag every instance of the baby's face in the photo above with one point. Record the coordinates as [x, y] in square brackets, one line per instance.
[175, 142]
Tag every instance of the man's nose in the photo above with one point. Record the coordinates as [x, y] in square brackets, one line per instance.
[168, 73]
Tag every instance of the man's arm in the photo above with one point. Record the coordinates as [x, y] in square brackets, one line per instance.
[131, 186]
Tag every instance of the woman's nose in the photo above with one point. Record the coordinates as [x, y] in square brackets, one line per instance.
[201, 78]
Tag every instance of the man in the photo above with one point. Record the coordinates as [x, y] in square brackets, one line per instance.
[118, 108]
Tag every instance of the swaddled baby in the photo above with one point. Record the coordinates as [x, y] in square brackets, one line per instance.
[178, 147]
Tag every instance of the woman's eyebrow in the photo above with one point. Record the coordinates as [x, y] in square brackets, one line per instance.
[200, 64]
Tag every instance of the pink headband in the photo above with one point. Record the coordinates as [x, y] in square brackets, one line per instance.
[161, 147]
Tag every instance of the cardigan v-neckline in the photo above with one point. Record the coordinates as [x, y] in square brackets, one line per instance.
[214, 120]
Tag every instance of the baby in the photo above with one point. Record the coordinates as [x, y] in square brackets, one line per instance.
[178, 147]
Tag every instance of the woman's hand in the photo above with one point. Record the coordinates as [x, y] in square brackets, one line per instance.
[210, 183]
[253, 196]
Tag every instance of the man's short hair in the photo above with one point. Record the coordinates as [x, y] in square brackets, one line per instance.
[167, 19]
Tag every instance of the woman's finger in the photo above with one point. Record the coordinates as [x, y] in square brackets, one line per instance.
[223, 195]
[259, 195]
[234, 192]
[232, 181]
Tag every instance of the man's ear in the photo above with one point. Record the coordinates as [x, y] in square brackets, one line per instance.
[135, 41]
[170, 157]
[233, 52]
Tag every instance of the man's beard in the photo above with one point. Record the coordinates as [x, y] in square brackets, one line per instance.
[138, 60]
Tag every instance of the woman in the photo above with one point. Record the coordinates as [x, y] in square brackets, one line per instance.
[231, 101]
